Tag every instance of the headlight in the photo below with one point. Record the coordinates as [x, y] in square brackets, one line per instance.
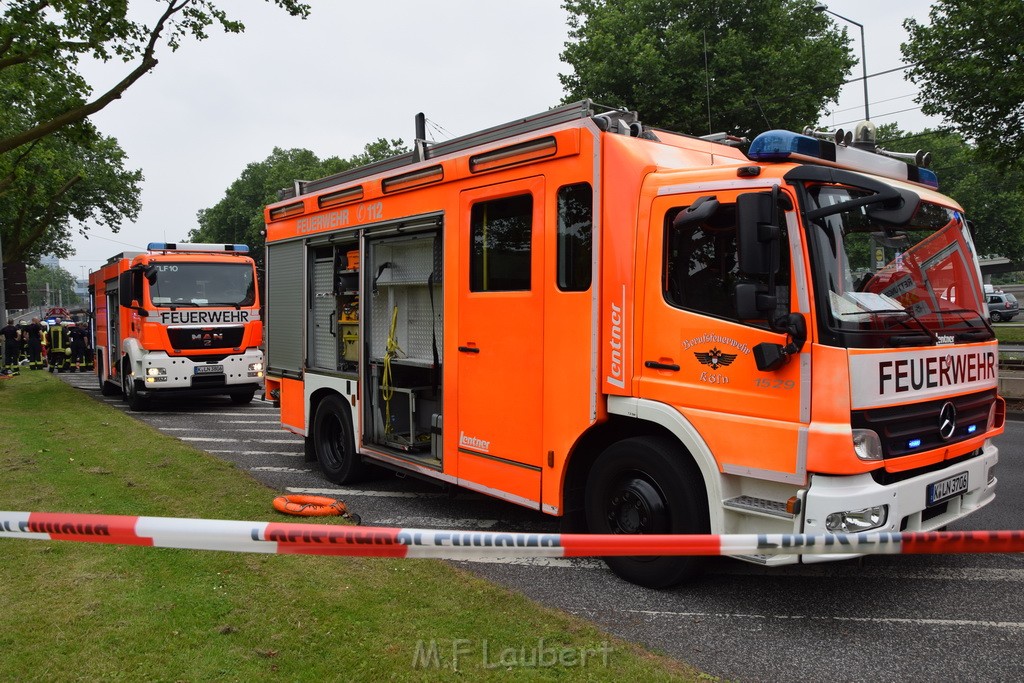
[155, 372]
[255, 367]
[850, 521]
[867, 445]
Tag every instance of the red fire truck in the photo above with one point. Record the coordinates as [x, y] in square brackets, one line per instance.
[178, 319]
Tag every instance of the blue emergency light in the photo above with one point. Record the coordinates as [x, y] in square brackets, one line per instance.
[186, 246]
[784, 145]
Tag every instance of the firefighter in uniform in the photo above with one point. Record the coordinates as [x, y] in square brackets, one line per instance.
[34, 344]
[79, 335]
[58, 349]
[10, 338]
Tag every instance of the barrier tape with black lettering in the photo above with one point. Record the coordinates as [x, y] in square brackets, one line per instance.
[321, 539]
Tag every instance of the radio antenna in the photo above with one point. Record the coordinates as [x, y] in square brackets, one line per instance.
[707, 79]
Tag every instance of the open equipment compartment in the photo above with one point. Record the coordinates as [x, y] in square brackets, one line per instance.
[403, 328]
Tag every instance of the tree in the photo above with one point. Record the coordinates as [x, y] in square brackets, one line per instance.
[992, 196]
[238, 217]
[41, 42]
[969, 65]
[757, 64]
[61, 183]
[51, 286]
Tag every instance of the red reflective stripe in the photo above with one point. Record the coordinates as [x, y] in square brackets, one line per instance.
[607, 545]
[119, 529]
[319, 539]
[939, 542]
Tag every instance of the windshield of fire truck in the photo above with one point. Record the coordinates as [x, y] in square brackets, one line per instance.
[896, 285]
[202, 284]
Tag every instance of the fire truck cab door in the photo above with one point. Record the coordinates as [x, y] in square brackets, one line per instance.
[500, 338]
[698, 356]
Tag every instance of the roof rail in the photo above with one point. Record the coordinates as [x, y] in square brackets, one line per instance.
[567, 112]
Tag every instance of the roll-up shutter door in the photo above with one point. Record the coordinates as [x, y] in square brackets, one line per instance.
[286, 284]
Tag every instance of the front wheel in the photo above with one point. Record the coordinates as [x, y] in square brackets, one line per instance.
[647, 485]
[996, 317]
[131, 393]
[334, 443]
[241, 398]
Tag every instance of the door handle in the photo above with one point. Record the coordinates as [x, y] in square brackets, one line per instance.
[469, 349]
[655, 365]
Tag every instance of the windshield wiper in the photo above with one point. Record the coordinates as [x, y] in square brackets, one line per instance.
[971, 336]
[906, 339]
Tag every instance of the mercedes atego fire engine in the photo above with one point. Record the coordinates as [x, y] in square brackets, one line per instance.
[642, 332]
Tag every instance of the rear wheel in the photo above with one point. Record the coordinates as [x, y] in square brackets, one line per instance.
[334, 443]
[646, 485]
[106, 388]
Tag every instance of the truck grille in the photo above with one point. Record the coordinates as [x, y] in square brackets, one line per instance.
[205, 337]
[899, 427]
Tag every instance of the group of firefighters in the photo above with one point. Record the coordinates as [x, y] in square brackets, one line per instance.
[62, 346]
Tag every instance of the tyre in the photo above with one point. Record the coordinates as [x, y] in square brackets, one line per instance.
[130, 391]
[240, 398]
[647, 485]
[333, 442]
[996, 317]
[106, 388]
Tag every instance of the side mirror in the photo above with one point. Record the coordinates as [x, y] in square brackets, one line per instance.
[757, 232]
[754, 301]
[150, 273]
[124, 287]
[701, 210]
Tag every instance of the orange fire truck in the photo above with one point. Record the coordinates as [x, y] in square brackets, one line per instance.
[178, 319]
[642, 331]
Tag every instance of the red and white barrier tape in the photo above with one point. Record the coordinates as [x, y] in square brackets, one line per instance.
[322, 539]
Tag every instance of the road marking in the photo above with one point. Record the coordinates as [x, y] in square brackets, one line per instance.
[432, 523]
[284, 453]
[854, 571]
[242, 422]
[376, 494]
[561, 562]
[278, 469]
[216, 440]
[969, 623]
[246, 431]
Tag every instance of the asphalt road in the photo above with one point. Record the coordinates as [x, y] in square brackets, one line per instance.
[898, 618]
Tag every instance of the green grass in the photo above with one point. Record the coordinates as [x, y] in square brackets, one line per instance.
[80, 611]
[1009, 334]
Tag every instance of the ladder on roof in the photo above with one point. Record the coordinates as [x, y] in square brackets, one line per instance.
[575, 111]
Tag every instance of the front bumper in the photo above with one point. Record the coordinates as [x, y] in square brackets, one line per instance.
[179, 375]
[906, 500]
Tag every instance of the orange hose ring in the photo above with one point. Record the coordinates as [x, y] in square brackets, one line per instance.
[309, 506]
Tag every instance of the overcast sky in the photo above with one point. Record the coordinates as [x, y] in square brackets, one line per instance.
[354, 72]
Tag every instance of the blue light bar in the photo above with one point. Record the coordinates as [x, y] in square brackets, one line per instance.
[783, 145]
[928, 177]
[914, 443]
[186, 246]
[972, 429]
[776, 145]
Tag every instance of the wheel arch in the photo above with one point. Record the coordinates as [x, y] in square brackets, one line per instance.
[629, 417]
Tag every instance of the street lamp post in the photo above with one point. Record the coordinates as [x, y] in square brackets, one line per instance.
[863, 52]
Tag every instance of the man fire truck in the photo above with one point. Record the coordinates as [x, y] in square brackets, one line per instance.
[641, 331]
[178, 319]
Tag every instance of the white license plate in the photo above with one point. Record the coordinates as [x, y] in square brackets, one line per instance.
[947, 488]
[209, 369]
